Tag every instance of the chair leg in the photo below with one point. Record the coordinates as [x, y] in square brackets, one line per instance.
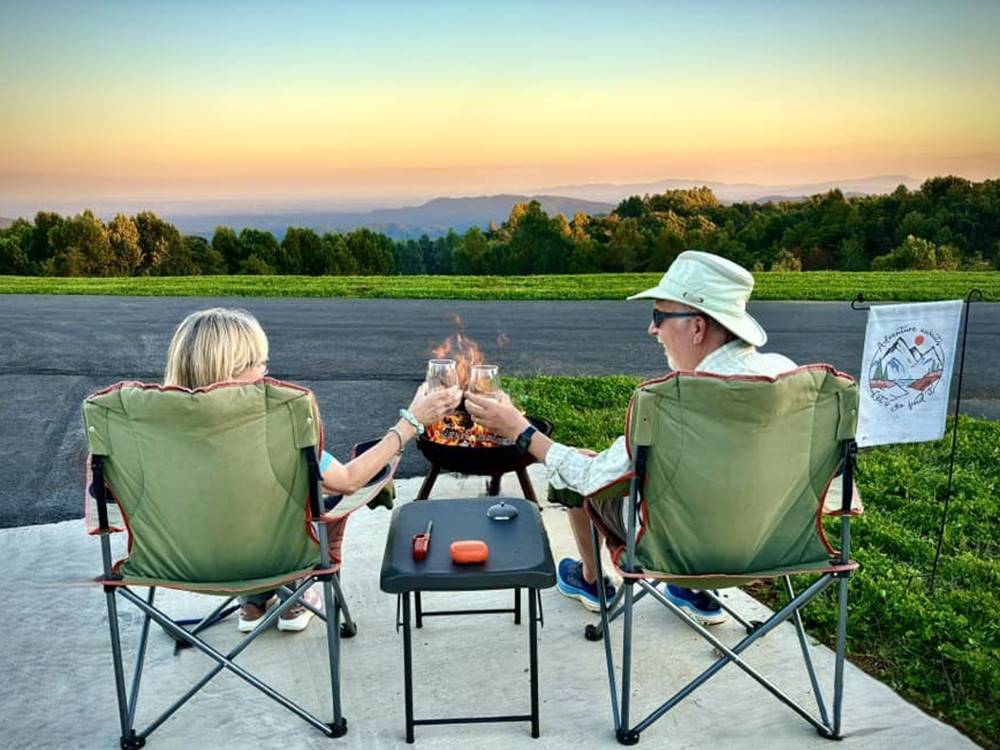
[838, 679]
[803, 644]
[605, 630]
[139, 661]
[116, 657]
[348, 628]
[223, 661]
[332, 604]
[624, 735]
[731, 655]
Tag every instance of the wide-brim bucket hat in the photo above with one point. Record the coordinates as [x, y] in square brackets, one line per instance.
[712, 285]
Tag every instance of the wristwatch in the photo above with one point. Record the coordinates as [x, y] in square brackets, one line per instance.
[524, 439]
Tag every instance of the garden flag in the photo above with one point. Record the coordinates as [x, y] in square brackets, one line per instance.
[906, 372]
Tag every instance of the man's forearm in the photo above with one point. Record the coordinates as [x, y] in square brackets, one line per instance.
[539, 447]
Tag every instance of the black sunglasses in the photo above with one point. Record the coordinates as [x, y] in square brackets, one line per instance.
[659, 317]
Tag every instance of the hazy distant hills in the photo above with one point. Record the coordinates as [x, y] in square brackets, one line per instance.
[437, 216]
[736, 192]
[5, 222]
[434, 218]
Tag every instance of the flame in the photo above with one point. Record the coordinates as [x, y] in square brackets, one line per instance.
[464, 351]
[458, 428]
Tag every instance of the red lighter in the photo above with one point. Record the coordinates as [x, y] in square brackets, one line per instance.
[422, 543]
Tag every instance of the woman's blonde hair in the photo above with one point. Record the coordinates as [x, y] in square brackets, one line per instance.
[210, 346]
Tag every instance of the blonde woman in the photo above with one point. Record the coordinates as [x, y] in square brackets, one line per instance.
[224, 345]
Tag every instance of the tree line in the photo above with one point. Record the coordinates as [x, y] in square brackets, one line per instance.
[949, 223]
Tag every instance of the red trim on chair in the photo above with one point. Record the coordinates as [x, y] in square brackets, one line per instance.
[820, 531]
[617, 550]
[204, 389]
[206, 587]
[128, 532]
[716, 376]
[833, 567]
[88, 520]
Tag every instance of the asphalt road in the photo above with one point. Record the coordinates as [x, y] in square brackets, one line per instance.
[363, 358]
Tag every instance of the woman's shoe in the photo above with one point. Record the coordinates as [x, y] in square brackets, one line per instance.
[251, 613]
[297, 617]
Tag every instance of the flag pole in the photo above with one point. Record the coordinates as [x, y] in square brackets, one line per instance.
[973, 296]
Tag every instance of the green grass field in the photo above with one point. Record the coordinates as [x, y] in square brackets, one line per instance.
[941, 650]
[818, 285]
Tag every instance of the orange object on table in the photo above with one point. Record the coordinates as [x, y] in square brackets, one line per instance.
[469, 551]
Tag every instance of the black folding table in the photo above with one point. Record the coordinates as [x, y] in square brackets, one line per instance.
[520, 557]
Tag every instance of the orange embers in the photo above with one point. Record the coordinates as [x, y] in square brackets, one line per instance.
[458, 428]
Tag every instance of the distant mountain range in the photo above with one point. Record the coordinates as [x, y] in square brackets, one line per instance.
[437, 216]
[736, 192]
[5, 222]
[433, 218]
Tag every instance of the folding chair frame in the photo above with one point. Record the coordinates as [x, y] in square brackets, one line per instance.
[629, 734]
[333, 603]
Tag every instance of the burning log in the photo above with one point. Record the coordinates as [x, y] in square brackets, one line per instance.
[459, 429]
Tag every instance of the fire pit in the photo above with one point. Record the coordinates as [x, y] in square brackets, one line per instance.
[482, 455]
[458, 444]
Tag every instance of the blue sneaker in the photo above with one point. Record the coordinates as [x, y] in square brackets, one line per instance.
[696, 604]
[569, 577]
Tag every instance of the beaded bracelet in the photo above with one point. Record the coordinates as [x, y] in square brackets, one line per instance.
[408, 416]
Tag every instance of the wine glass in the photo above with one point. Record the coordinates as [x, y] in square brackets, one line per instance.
[484, 381]
[441, 374]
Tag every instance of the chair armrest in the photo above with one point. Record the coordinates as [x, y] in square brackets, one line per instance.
[832, 501]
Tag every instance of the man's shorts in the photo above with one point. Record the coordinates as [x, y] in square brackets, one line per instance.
[611, 511]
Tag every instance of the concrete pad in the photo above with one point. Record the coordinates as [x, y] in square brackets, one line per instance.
[58, 687]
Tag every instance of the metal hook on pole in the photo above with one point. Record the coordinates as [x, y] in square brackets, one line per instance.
[858, 303]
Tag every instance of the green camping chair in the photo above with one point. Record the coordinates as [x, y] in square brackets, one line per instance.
[219, 491]
[727, 485]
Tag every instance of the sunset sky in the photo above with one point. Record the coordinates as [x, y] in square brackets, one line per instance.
[380, 101]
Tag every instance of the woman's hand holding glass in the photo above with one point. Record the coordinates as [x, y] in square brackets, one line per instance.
[441, 374]
[430, 406]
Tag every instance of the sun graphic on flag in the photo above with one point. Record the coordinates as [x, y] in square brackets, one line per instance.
[918, 340]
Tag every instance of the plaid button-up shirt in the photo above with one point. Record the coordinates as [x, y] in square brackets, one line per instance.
[570, 469]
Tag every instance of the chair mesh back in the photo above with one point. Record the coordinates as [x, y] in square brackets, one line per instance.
[213, 483]
[737, 467]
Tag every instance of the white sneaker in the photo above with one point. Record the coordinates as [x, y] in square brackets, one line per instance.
[250, 615]
[297, 617]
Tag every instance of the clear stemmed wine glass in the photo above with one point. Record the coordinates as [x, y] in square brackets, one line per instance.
[441, 373]
[484, 380]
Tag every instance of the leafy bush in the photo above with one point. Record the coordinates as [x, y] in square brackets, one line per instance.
[918, 254]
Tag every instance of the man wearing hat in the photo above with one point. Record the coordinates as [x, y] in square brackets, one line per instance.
[700, 320]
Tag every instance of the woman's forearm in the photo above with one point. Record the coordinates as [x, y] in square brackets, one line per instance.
[356, 473]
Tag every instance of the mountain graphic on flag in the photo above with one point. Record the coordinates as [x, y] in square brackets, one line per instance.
[905, 366]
